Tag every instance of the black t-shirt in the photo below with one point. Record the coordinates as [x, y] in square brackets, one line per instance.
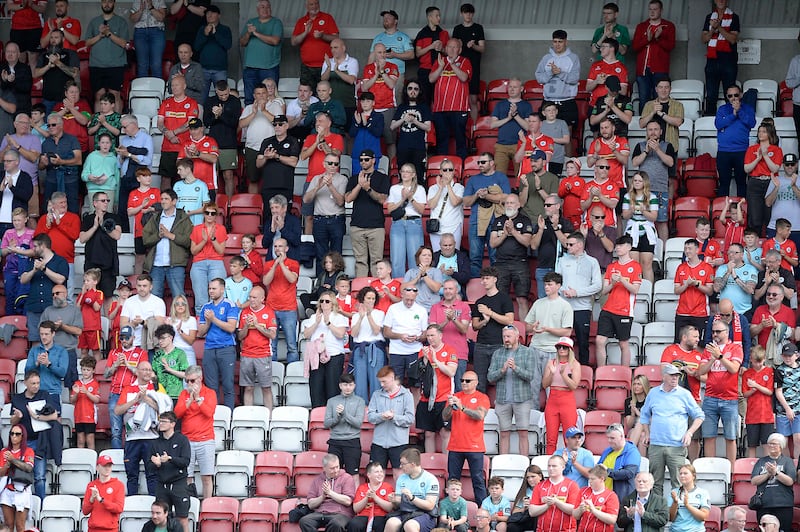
[786, 279]
[548, 243]
[223, 129]
[101, 249]
[186, 28]
[510, 249]
[275, 174]
[368, 213]
[620, 127]
[409, 136]
[54, 79]
[500, 303]
[466, 34]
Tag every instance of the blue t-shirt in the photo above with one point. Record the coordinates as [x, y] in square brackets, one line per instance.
[479, 181]
[239, 292]
[224, 310]
[501, 508]
[423, 486]
[191, 196]
[584, 458]
[508, 133]
[742, 301]
[398, 42]
[684, 520]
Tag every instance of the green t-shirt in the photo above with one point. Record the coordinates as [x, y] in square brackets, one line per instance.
[620, 34]
[176, 360]
[453, 509]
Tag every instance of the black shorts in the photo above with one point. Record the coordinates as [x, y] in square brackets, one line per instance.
[614, 326]
[177, 495]
[568, 111]
[644, 245]
[430, 420]
[349, 453]
[168, 166]
[757, 433]
[516, 274]
[106, 78]
[27, 40]
[85, 428]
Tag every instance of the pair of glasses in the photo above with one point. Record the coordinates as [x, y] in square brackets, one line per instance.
[410, 290]
[789, 164]
[413, 89]
[325, 301]
[732, 96]
[561, 347]
[52, 125]
[210, 213]
[16, 433]
[332, 163]
[467, 381]
[364, 159]
[716, 331]
[570, 244]
[549, 204]
[192, 381]
[9, 160]
[482, 162]
[100, 200]
[601, 217]
[448, 170]
[773, 295]
[603, 167]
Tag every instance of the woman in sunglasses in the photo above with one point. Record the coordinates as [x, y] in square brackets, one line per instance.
[405, 236]
[208, 246]
[15, 499]
[325, 334]
[561, 377]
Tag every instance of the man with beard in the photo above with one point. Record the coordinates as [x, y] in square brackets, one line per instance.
[70, 27]
[68, 322]
[221, 116]
[511, 237]
[276, 161]
[100, 231]
[107, 40]
[55, 66]
[46, 270]
[367, 190]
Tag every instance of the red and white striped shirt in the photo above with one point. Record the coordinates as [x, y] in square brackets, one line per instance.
[450, 93]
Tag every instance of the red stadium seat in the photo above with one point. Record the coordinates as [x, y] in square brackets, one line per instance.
[741, 486]
[360, 282]
[434, 163]
[595, 425]
[318, 435]
[612, 385]
[652, 372]
[367, 432]
[219, 514]
[686, 211]
[307, 465]
[245, 213]
[283, 516]
[496, 90]
[713, 519]
[699, 176]
[273, 473]
[233, 245]
[475, 290]
[584, 388]
[436, 464]
[716, 209]
[258, 514]
[785, 104]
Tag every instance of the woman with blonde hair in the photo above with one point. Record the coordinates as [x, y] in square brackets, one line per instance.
[640, 387]
[325, 332]
[640, 208]
[207, 246]
[405, 236]
[185, 327]
[690, 505]
[561, 377]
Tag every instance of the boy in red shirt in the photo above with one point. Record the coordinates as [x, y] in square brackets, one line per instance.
[85, 395]
[114, 311]
[734, 226]
[388, 288]
[710, 250]
[343, 298]
[141, 201]
[90, 302]
[121, 369]
[757, 386]
[782, 242]
[104, 498]
[571, 191]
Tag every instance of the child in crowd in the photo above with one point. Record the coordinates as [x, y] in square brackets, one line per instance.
[757, 384]
[782, 242]
[366, 129]
[735, 224]
[558, 130]
[192, 193]
[90, 302]
[17, 251]
[453, 508]
[709, 251]
[169, 362]
[141, 201]
[237, 286]
[346, 302]
[787, 394]
[38, 126]
[752, 251]
[254, 270]
[123, 293]
[388, 288]
[571, 190]
[497, 504]
[85, 394]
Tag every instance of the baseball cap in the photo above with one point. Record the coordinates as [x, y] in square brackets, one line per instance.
[789, 350]
[391, 12]
[104, 459]
[195, 122]
[126, 332]
[280, 118]
[565, 340]
[790, 158]
[125, 283]
[613, 84]
[669, 369]
[572, 432]
[367, 153]
[538, 154]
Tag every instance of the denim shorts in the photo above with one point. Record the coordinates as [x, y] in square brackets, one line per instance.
[716, 409]
[663, 206]
[786, 427]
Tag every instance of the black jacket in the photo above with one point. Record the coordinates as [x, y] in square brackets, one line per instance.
[656, 513]
[173, 525]
[21, 192]
[177, 447]
[462, 260]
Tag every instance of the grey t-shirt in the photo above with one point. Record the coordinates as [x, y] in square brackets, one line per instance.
[69, 315]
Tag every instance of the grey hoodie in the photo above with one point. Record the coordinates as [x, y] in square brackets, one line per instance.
[563, 86]
[347, 425]
[391, 432]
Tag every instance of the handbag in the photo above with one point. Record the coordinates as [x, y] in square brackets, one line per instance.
[757, 500]
[518, 517]
[433, 225]
[298, 512]
[20, 476]
[398, 213]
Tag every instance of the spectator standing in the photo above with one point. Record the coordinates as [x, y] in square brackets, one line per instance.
[185, 326]
[640, 208]
[330, 496]
[134, 152]
[276, 161]
[403, 326]
[16, 499]
[429, 45]
[612, 149]
[406, 199]
[171, 455]
[316, 148]
[774, 275]
[657, 157]
[204, 152]
[101, 172]
[29, 148]
[443, 363]
[61, 159]
[144, 308]
[149, 37]
[192, 72]
[17, 76]
[190, 18]
[297, 111]
[221, 117]
[326, 192]
[167, 238]
[549, 239]
[559, 71]
[773, 320]
[369, 345]
[426, 277]
[195, 408]
[653, 41]
[562, 376]
[104, 498]
[341, 71]
[68, 321]
[280, 280]
[665, 110]
[720, 34]
[781, 197]
[281, 225]
[367, 190]
[512, 369]
[536, 185]
[46, 270]
[344, 414]
[606, 66]
[736, 280]
[107, 39]
[325, 333]
[694, 283]
[762, 162]
[453, 316]
[611, 30]
[16, 188]
[453, 262]
[217, 321]
[473, 44]
[488, 190]
[412, 120]
[17, 248]
[208, 245]
[666, 411]
[326, 104]
[50, 360]
[450, 76]
[121, 370]
[733, 121]
[366, 127]
[257, 328]
[313, 33]
[490, 314]
[792, 82]
[391, 410]
[509, 118]
[604, 194]
[100, 232]
[212, 44]
[580, 282]
[758, 389]
[173, 122]
[397, 44]
[261, 39]
[613, 105]
[511, 238]
[381, 79]
[56, 66]
[26, 26]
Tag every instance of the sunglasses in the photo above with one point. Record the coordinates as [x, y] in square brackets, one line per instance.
[101, 200]
[192, 381]
[601, 217]
[773, 295]
[719, 330]
[16, 433]
[448, 170]
[467, 381]
[363, 159]
[325, 301]
[410, 290]
[549, 204]
[603, 167]
[52, 125]
[790, 164]
[732, 96]
[482, 162]
[210, 213]
[332, 163]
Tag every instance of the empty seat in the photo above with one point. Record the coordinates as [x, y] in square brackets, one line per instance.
[491, 432]
[665, 300]
[691, 94]
[222, 427]
[714, 475]
[656, 337]
[612, 386]
[273, 473]
[219, 514]
[60, 513]
[258, 514]
[318, 435]
[307, 465]
[287, 429]
[76, 471]
[249, 428]
[767, 95]
[594, 428]
[233, 472]
[741, 487]
[295, 386]
[135, 512]
[510, 467]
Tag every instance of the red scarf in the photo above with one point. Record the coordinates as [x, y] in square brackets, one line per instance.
[717, 42]
[737, 327]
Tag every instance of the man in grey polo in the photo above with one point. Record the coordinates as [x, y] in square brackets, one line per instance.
[667, 412]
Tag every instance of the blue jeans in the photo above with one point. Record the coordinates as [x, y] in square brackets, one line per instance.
[139, 451]
[218, 367]
[718, 71]
[39, 472]
[328, 236]
[33, 319]
[731, 163]
[14, 289]
[115, 420]
[460, 370]
[149, 43]
[540, 273]
[287, 320]
[455, 462]
[715, 409]
[451, 123]
[476, 246]
[175, 276]
[647, 88]
[213, 76]
[202, 273]
[253, 76]
[405, 238]
[366, 373]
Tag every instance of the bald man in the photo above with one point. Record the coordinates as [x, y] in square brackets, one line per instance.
[257, 328]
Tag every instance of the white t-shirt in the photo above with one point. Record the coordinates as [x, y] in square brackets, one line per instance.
[396, 194]
[334, 346]
[151, 307]
[452, 217]
[365, 333]
[260, 127]
[186, 327]
[406, 320]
